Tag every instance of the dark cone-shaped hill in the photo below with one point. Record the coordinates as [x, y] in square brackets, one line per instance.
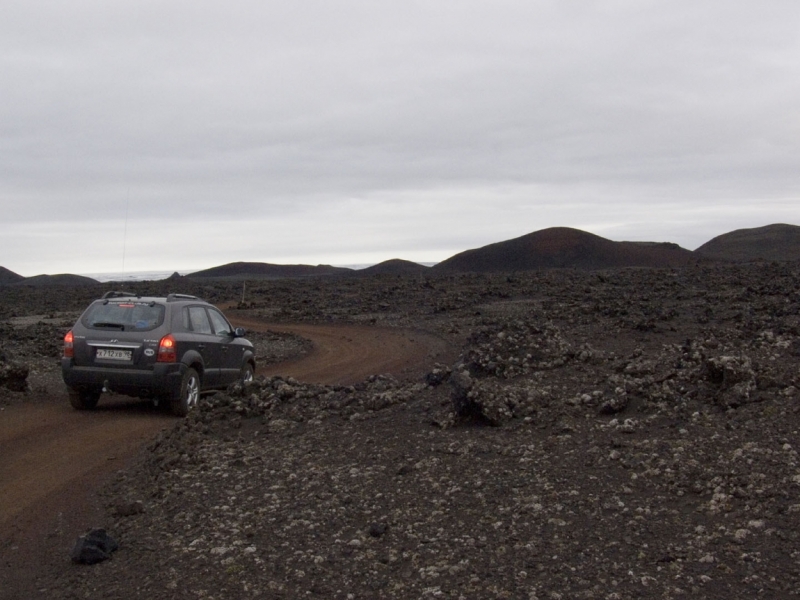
[7, 276]
[255, 270]
[772, 242]
[395, 266]
[564, 247]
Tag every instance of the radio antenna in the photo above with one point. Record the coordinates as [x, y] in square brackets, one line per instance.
[125, 234]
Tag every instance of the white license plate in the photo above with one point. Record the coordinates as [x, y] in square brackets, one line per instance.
[108, 354]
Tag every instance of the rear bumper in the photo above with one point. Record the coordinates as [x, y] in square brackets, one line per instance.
[164, 380]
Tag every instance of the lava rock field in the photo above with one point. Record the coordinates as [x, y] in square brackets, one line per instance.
[619, 434]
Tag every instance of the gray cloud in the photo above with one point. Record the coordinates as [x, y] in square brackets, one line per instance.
[324, 131]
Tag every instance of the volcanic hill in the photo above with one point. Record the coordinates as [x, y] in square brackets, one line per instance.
[395, 266]
[772, 242]
[7, 276]
[564, 247]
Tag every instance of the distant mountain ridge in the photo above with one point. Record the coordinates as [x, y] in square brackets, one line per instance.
[564, 247]
[267, 271]
[8, 277]
[60, 279]
[552, 248]
[771, 242]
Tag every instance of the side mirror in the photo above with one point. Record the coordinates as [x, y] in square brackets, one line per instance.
[239, 332]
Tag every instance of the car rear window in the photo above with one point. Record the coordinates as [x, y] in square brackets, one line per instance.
[124, 316]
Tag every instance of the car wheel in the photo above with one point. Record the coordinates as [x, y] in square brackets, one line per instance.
[189, 394]
[83, 399]
[247, 373]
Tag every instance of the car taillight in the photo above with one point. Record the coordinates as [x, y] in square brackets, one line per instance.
[166, 349]
[69, 349]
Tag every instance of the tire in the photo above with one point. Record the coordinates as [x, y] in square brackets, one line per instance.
[189, 394]
[247, 374]
[83, 399]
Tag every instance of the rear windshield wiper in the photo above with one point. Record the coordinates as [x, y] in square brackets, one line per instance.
[108, 324]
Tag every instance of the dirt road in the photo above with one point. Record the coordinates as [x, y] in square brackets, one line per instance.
[348, 354]
[53, 458]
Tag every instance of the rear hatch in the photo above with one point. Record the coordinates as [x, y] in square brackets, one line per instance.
[119, 333]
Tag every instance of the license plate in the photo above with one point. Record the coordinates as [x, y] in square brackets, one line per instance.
[109, 354]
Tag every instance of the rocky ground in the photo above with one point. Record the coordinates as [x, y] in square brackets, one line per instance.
[618, 434]
[30, 351]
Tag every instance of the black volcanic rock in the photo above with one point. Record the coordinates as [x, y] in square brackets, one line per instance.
[395, 266]
[61, 279]
[564, 247]
[7, 276]
[94, 547]
[255, 270]
[772, 242]
[13, 374]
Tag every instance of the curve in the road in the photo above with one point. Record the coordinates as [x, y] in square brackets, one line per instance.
[346, 354]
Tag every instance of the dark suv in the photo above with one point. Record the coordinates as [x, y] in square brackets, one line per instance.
[166, 349]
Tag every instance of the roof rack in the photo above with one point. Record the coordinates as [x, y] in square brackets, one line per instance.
[118, 294]
[175, 297]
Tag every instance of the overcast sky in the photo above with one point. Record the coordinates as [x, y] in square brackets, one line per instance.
[172, 135]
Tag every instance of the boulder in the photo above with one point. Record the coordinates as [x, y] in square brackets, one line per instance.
[93, 547]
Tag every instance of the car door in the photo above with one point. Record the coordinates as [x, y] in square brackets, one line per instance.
[230, 356]
[205, 343]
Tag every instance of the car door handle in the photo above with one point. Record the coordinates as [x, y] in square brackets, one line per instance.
[200, 346]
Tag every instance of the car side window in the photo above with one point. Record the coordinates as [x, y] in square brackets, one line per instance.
[221, 325]
[198, 320]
